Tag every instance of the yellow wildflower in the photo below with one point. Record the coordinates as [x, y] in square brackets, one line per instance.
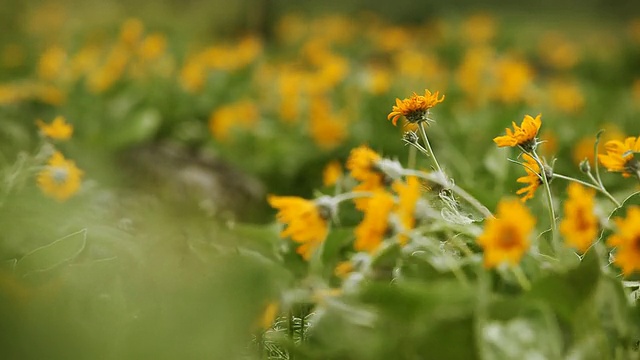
[584, 147]
[59, 129]
[193, 75]
[523, 135]
[512, 76]
[627, 241]
[242, 114]
[60, 179]
[557, 51]
[328, 130]
[268, 316]
[362, 165]
[331, 173]
[532, 178]
[506, 237]
[306, 221]
[566, 96]
[343, 269]
[416, 108]
[479, 28]
[620, 156]
[51, 63]
[373, 228]
[580, 225]
[409, 193]
[131, 32]
[152, 46]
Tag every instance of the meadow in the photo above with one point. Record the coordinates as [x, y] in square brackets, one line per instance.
[318, 184]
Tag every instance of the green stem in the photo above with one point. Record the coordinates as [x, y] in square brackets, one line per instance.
[351, 195]
[441, 180]
[423, 131]
[521, 278]
[584, 183]
[552, 214]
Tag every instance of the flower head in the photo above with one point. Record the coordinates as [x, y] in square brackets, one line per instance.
[416, 108]
[332, 173]
[523, 135]
[409, 193]
[620, 156]
[580, 225]
[362, 163]
[506, 237]
[532, 178]
[60, 179]
[59, 129]
[627, 241]
[373, 228]
[306, 221]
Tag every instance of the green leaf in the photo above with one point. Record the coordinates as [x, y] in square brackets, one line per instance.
[52, 255]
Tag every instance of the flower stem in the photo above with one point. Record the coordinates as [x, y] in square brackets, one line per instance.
[596, 186]
[351, 195]
[441, 180]
[552, 214]
[427, 145]
[521, 278]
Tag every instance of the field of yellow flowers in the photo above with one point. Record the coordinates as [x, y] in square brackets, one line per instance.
[335, 186]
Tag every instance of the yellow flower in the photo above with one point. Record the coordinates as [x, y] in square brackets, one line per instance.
[580, 225]
[532, 178]
[523, 135]
[373, 228]
[566, 96]
[268, 316]
[627, 241]
[59, 129]
[362, 165]
[52, 62]
[479, 28]
[343, 269]
[60, 179]
[584, 148]
[152, 46]
[306, 221]
[131, 32]
[416, 108]
[328, 130]
[409, 194]
[512, 77]
[331, 173]
[242, 114]
[620, 156]
[506, 237]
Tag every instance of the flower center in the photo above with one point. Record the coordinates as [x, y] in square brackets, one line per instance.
[508, 238]
[59, 174]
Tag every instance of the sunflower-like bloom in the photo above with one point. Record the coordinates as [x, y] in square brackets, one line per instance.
[627, 241]
[620, 156]
[373, 228]
[506, 237]
[523, 135]
[362, 163]
[532, 179]
[306, 221]
[409, 193]
[416, 108]
[60, 179]
[580, 225]
[59, 129]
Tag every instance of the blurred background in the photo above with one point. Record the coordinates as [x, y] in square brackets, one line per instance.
[186, 114]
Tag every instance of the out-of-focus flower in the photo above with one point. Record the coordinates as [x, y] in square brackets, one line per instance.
[584, 147]
[558, 52]
[51, 63]
[473, 73]
[343, 269]
[305, 220]
[626, 240]
[532, 178]
[579, 225]
[131, 32]
[268, 316]
[362, 165]
[60, 179]
[239, 115]
[408, 193]
[373, 228]
[152, 47]
[416, 108]
[512, 77]
[332, 173]
[327, 129]
[523, 135]
[479, 28]
[566, 96]
[621, 157]
[59, 129]
[506, 237]
[193, 75]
